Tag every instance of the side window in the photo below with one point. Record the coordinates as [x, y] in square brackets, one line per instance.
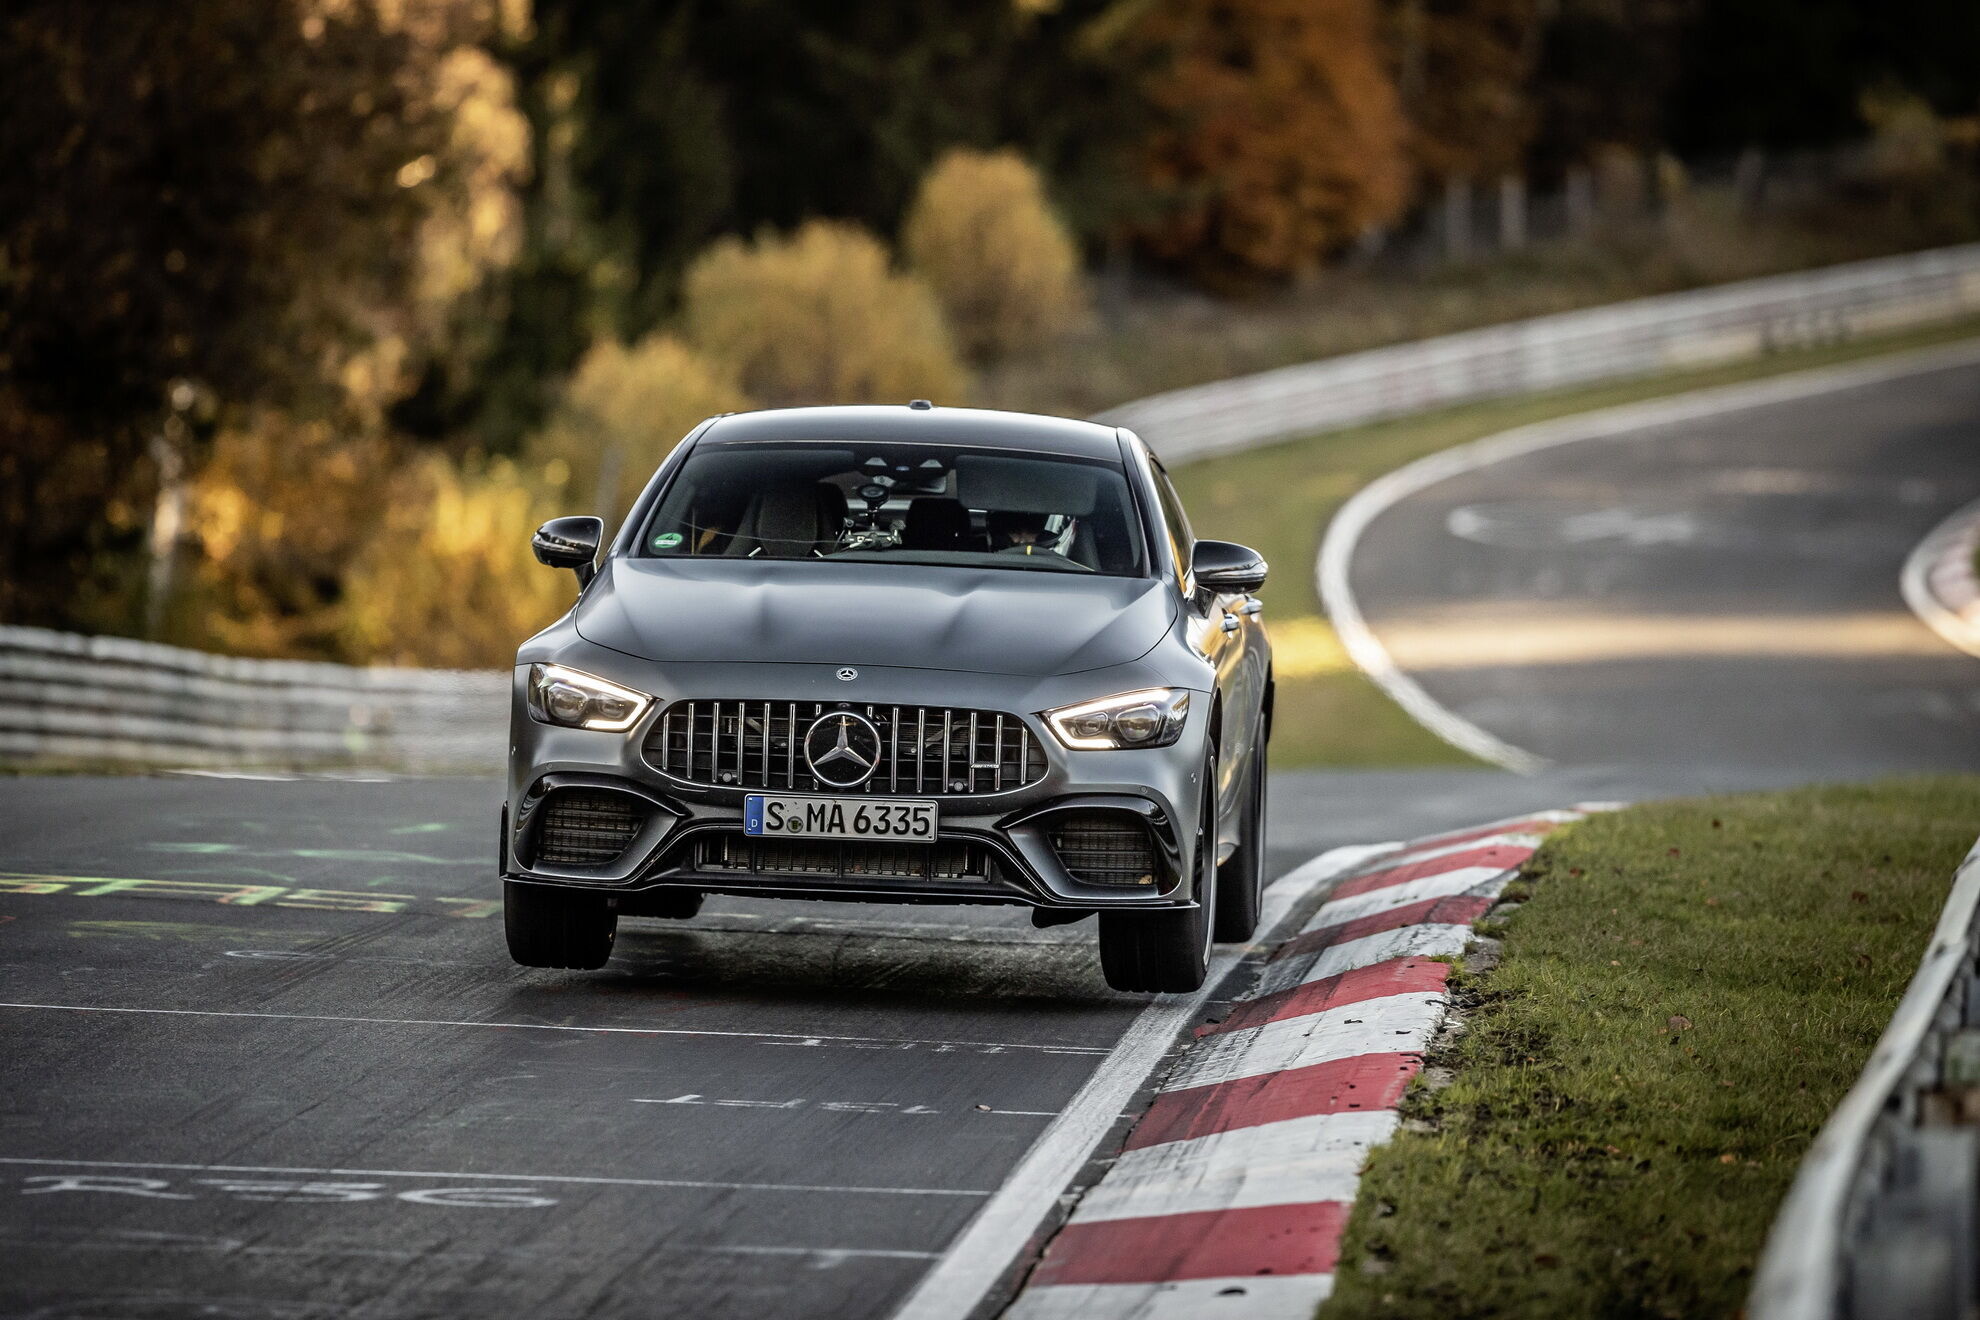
[1173, 517]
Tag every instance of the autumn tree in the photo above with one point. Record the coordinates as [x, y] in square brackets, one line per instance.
[216, 207]
[1280, 138]
[983, 235]
[819, 317]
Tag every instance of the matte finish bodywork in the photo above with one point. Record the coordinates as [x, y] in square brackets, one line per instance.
[1015, 641]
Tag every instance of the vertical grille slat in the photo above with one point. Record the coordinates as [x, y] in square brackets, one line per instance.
[941, 750]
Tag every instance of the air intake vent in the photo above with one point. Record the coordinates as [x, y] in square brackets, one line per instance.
[922, 750]
[587, 827]
[1104, 847]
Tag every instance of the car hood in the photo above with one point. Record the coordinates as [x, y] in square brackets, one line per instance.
[1000, 621]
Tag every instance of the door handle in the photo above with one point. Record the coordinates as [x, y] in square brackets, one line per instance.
[1230, 622]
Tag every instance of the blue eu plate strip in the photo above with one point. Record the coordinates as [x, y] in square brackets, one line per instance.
[753, 814]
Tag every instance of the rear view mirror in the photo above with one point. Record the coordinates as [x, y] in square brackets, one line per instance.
[1226, 566]
[570, 543]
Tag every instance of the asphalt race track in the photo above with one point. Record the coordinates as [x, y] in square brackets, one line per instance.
[264, 1055]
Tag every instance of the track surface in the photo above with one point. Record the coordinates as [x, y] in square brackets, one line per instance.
[264, 1055]
[1707, 602]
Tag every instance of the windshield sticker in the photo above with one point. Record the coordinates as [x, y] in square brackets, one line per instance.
[666, 540]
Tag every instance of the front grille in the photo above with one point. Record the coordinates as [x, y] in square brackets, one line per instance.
[848, 859]
[587, 827]
[1104, 847]
[923, 749]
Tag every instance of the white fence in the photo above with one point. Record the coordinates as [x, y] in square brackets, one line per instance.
[1725, 323]
[66, 699]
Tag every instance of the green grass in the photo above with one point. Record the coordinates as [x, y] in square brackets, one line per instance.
[1688, 992]
[1278, 499]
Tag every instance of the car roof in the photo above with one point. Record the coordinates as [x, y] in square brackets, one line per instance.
[942, 426]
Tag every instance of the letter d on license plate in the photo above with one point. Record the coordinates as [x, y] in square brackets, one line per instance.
[766, 814]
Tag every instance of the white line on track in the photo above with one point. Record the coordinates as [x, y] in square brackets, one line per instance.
[1345, 531]
[690, 1183]
[772, 1037]
[1952, 535]
[979, 1256]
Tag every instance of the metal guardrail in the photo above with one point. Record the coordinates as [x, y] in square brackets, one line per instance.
[1881, 1221]
[93, 700]
[1702, 327]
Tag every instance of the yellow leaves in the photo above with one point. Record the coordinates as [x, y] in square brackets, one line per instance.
[817, 317]
[997, 256]
[622, 412]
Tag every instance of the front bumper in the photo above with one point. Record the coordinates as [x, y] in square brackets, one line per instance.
[689, 837]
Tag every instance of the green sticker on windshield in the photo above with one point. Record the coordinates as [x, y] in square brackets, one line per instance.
[666, 540]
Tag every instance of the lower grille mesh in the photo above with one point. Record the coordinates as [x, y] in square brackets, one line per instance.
[587, 827]
[851, 859]
[1104, 847]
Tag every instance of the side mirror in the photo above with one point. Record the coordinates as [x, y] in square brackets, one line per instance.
[570, 543]
[1225, 566]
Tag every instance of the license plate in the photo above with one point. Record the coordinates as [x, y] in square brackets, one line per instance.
[765, 814]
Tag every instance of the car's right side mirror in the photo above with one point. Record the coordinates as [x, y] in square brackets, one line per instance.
[1225, 566]
[570, 543]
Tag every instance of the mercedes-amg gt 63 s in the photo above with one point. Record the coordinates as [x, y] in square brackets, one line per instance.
[898, 655]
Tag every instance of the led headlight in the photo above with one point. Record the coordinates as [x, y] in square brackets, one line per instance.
[1149, 718]
[577, 700]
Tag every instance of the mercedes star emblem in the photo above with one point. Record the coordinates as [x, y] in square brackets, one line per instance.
[843, 749]
[848, 674]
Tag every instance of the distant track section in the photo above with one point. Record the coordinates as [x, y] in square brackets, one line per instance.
[1701, 327]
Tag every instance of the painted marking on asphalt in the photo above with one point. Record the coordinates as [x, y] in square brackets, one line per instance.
[1302, 1238]
[308, 1192]
[1316, 1158]
[766, 1037]
[830, 1106]
[1316, 994]
[1456, 910]
[1393, 1022]
[245, 895]
[1240, 1296]
[1409, 943]
[429, 1174]
[1364, 1082]
[1469, 880]
[1497, 856]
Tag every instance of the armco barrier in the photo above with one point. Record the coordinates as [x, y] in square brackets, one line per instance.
[93, 700]
[1725, 323]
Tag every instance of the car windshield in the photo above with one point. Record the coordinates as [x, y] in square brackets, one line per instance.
[899, 503]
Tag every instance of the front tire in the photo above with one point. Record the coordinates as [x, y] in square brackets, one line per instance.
[552, 927]
[1241, 879]
[1169, 951]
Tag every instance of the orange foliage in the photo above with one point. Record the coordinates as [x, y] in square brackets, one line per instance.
[1281, 137]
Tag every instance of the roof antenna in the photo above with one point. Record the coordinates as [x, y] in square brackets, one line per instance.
[921, 404]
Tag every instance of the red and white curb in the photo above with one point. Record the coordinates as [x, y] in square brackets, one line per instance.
[1232, 1192]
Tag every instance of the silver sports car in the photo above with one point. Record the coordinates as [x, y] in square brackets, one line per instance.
[899, 655]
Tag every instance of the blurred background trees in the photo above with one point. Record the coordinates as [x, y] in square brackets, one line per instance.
[307, 306]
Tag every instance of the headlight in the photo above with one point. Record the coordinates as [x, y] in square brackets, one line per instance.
[578, 700]
[1150, 718]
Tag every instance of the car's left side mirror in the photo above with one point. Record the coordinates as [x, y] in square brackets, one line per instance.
[1226, 566]
[570, 543]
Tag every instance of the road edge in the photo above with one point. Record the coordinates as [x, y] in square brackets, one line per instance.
[980, 1263]
[1332, 567]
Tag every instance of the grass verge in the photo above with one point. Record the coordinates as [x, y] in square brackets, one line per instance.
[1280, 498]
[1688, 991]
